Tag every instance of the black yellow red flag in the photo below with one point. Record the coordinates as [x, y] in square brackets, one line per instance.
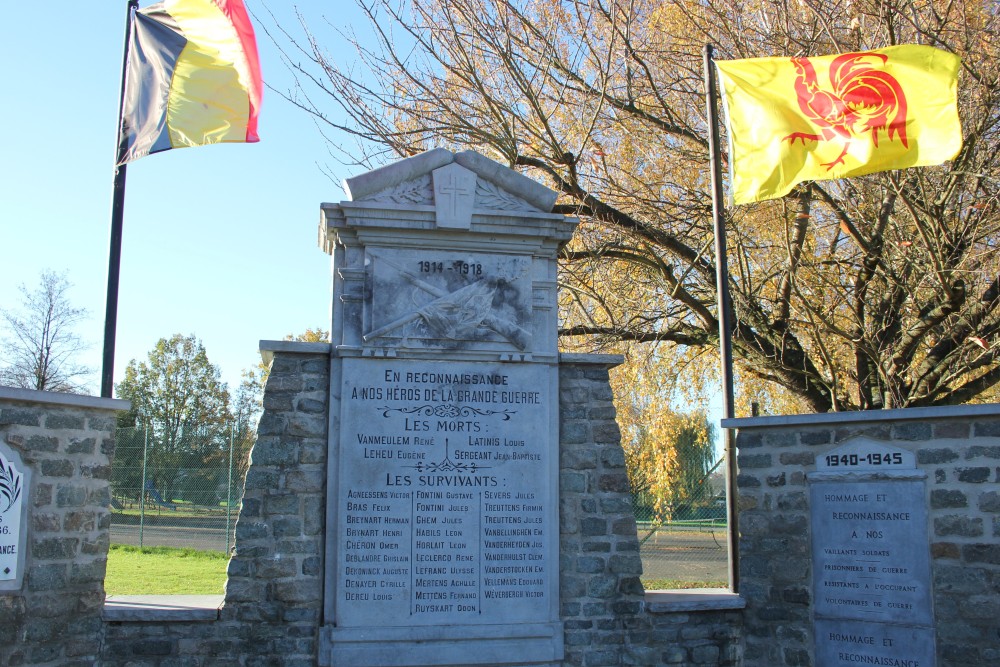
[193, 77]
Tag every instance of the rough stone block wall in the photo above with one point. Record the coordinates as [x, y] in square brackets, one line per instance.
[276, 574]
[960, 453]
[599, 550]
[67, 442]
[273, 604]
[607, 620]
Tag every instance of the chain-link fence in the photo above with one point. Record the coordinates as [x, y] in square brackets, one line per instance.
[184, 490]
[684, 543]
[178, 487]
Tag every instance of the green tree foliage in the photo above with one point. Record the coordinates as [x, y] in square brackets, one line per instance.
[671, 472]
[872, 292]
[247, 406]
[178, 397]
[40, 348]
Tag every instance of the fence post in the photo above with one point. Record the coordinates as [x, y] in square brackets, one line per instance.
[229, 486]
[142, 493]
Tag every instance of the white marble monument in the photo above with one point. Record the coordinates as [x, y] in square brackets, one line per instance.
[442, 491]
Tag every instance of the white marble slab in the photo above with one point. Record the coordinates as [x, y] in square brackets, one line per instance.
[446, 511]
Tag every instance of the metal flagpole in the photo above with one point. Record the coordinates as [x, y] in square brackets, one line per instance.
[725, 317]
[117, 215]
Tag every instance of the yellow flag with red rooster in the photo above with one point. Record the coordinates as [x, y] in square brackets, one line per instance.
[801, 119]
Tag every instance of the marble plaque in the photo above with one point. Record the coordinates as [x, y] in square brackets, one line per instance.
[851, 643]
[871, 555]
[449, 299]
[445, 506]
[12, 491]
[865, 454]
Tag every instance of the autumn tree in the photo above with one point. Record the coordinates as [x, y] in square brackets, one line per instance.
[251, 390]
[669, 451]
[873, 292]
[178, 396]
[41, 347]
[310, 336]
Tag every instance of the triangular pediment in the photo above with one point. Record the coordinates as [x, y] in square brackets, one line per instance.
[454, 183]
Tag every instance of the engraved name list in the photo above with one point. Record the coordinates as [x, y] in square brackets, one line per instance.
[442, 507]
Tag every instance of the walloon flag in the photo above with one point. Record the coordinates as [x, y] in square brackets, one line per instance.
[799, 119]
[193, 77]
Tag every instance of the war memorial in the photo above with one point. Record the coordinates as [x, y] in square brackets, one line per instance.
[439, 485]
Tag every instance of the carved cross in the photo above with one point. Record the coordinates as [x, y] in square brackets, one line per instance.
[454, 196]
[454, 190]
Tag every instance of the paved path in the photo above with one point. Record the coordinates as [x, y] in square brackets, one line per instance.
[202, 539]
[688, 555]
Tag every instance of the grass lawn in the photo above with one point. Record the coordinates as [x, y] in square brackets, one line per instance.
[674, 584]
[164, 571]
[167, 571]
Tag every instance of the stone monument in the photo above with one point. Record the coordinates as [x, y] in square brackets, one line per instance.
[442, 534]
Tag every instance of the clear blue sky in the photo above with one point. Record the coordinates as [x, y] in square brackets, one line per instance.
[219, 241]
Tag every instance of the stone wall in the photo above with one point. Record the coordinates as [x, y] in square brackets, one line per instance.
[959, 448]
[272, 610]
[273, 600]
[601, 596]
[609, 619]
[53, 617]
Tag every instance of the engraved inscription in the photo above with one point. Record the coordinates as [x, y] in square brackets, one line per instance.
[871, 562]
[866, 562]
[444, 513]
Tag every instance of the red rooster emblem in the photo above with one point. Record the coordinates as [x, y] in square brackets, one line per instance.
[863, 98]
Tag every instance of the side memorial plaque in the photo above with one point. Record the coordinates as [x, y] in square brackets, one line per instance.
[870, 553]
[870, 558]
[13, 518]
[445, 510]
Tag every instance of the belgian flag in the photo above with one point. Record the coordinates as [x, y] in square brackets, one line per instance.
[192, 78]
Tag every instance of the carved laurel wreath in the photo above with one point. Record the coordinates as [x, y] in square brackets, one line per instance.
[421, 191]
[490, 196]
[416, 191]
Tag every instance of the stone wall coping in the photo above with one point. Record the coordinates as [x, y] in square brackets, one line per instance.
[138, 608]
[606, 360]
[63, 399]
[269, 347]
[831, 418]
[693, 599]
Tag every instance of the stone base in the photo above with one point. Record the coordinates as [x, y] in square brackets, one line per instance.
[456, 646]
